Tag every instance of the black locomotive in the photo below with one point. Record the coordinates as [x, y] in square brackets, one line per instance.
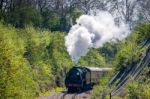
[79, 78]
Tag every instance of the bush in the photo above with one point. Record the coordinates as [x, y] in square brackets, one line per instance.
[16, 78]
[30, 61]
[93, 58]
[138, 91]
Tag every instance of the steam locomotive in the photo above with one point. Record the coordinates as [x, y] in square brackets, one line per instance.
[79, 78]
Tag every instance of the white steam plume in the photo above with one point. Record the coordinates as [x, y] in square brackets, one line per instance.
[93, 32]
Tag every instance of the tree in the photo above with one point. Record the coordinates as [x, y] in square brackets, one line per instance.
[144, 9]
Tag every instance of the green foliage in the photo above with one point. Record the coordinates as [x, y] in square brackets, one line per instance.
[57, 89]
[16, 78]
[93, 58]
[30, 61]
[144, 77]
[143, 31]
[138, 91]
[134, 91]
[60, 60]
[50, 20]
[38, 56]
[22, 16]
[109, 51]
[128, 51]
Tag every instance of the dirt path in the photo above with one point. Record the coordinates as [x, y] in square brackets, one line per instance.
[65, 95]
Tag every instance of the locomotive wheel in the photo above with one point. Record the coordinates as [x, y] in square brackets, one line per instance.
[79, 89]
[69, 90]
[72, 89]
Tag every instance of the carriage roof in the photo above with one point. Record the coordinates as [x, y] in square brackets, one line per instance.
[98, 69]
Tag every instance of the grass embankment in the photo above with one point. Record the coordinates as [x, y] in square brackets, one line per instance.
[57, 89]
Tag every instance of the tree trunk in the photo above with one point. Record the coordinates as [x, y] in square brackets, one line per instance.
[1, 4]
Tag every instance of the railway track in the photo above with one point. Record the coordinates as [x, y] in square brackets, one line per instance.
[65, 95]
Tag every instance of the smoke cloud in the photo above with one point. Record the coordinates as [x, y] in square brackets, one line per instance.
[92, 32]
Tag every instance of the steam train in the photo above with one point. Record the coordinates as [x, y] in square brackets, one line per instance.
[79, 78]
